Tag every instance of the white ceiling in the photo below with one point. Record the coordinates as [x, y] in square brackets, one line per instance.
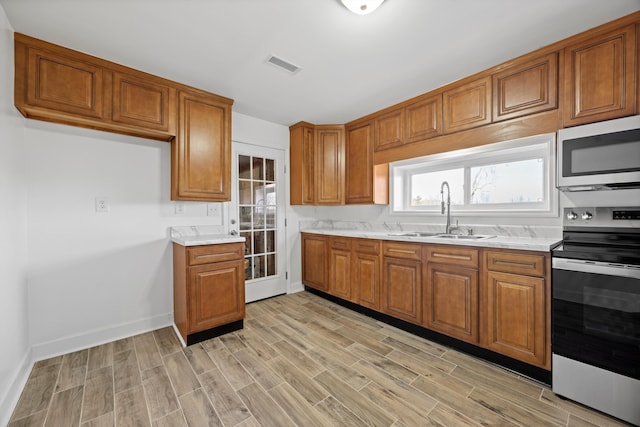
[351, 65]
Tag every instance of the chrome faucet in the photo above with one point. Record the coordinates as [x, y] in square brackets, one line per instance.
[447, 229]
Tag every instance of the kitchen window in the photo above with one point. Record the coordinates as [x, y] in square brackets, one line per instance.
[506, 178]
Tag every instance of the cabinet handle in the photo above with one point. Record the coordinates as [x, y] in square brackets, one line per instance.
[402, 251]
[450, 256]
[218, 255]
[514, 263]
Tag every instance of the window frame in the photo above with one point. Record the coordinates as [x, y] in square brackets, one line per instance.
[496, 153]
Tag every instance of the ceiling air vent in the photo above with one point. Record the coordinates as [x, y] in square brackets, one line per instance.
[282, 64]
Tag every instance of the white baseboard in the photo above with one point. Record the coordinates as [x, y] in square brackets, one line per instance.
[99, 336]
[10, 398]
[295, 287]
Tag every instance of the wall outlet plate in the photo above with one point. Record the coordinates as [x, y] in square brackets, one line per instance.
[179, 209]
[102, 204]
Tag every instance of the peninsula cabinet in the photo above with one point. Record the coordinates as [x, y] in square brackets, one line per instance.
[516, 306]
[601, 74]
[450, 295]
[208, 288]
[315, 261]
[366, 183]
[402, 280]
[201, 152]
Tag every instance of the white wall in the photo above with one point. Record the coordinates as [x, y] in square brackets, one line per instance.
[95, 277]
[14, 336]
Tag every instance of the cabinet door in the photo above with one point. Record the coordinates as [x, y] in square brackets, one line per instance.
[302, 161]
[366, 273]
[600, 78]
[423, 119]
[143, 102]
[467, 106]
[201, 153]
[62, 84]
[330, 165]
[359, 170]
[340, 273]
[401, 288]
[314, 261]
[526, 88]
[515, 316]
[450, 301]
[389, 130]
[216, 294]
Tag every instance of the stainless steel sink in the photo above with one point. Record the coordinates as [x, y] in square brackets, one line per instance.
[415, 234]
[464, 236]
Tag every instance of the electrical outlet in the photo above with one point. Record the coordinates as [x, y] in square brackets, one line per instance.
[213, 209]
[179, 209]
[102, 204]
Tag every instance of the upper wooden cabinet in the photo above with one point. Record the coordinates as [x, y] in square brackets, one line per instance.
[526, 88]
[330, 168]
[366, 183]
[468, 105]
[423, 119]
[317, 158]
[600, 77]
[143, 102]
[302, 156]
[61, 85]
[389, 130]
[201, 153]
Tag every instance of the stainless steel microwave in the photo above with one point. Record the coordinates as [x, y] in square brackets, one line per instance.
[600, 156]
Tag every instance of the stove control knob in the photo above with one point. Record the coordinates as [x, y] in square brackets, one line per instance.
[572, 215]
[587, 216]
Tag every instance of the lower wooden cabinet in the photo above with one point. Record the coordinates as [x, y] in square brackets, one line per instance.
[515, 307]
[314, 261]
[340, 268]
[451, 301]
[492, 298]
[366, 273]
[450, 295]
[208, 287]
[402, 280]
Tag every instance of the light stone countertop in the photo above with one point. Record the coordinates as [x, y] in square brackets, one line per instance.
[544, 244]
[202, 235]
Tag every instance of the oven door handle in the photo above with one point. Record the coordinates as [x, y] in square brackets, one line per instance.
[596, 267]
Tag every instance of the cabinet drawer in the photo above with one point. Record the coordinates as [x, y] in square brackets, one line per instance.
[367, 246]
[452, 255]
[402, 250]
[516, 263]
[206, 254]
[341, 243]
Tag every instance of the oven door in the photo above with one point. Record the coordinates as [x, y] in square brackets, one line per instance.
[596, 314]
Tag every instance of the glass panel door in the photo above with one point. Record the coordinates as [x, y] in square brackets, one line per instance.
[259, 208]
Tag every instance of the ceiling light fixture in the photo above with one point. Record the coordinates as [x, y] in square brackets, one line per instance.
[362, 7]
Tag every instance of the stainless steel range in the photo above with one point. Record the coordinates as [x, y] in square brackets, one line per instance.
[596, 310]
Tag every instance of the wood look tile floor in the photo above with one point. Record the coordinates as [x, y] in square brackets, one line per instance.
[299, 361]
